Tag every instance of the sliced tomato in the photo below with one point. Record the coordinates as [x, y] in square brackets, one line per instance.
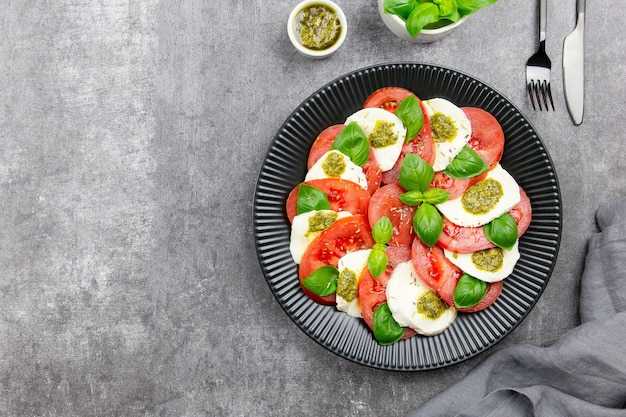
[441, 275]
[422, 144]
[372, 291]
[487, 135]
[386, 202]
[343, 195]
[346, 234]
[462, 239]
[451, 185]
[324, 142]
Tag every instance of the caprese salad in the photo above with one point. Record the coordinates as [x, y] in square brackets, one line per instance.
[405, 216]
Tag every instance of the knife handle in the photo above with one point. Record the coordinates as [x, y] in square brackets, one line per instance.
[543, 17]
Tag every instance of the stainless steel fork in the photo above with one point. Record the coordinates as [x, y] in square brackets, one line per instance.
[538, 67]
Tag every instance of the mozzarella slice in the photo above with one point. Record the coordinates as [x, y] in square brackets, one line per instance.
[489, 265]
[499, 187]
[302, 234]
[413, 304]
[378, 122]
[443, 113]
[350, 267]
[334, 164]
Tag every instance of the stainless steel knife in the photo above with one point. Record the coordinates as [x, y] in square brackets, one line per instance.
[574, 66]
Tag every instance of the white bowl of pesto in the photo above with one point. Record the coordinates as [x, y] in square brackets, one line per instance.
[317, 28]
[398, 26]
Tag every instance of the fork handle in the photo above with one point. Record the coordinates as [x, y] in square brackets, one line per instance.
[543, 17]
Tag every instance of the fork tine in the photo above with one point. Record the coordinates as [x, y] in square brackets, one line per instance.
[549, 96]
[545, 88]
[537, 85]
[530, 94]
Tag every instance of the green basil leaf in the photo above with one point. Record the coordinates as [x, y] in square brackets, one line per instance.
[466, 7]
[322, 281]
[415, 173]
[467, 164]
[412, 198]
[401, 8]
[382, 232]
[387, 331]
[436, 195]
[377, 262]
[502, 231]
[352, 141]
[428, 224]
[421, 15]
[447, 9]
[310, 199]
[469, 291]
[410, 112]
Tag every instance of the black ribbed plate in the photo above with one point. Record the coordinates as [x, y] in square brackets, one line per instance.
[525, 157]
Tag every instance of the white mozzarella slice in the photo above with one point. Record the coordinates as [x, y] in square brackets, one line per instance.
[497, 272]
[371, 120]
[351, 263]
[301, 234]
[335, 159]
[409, 299]
[456, 209]
[447, 150]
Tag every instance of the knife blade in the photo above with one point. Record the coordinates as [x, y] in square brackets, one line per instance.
[574, 66]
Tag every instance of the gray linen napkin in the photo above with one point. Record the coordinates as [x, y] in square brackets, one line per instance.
[583, 373]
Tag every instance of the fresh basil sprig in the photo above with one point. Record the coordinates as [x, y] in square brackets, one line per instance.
[469, 291]
[466, 7]
[415, 177]
[310, 198]
[410, 112]
[423, 14]
[386, 330]
[352, 141]
[502, 231]
[467, 164]
[322, 281]
[382, 232]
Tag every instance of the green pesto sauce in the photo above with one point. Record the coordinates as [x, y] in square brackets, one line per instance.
[383, 134]
[482, 197]
[318, 27]
[334, 165]
[489, 260]
[321, 221]
[430, 305]
[443, 127]
[347, 285]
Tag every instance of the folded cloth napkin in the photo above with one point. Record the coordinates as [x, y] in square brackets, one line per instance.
[583, 373]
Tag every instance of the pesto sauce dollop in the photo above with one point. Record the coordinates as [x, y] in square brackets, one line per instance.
[334, 165]
[430, 305]
[318, 27]
[482, 197]
[383, 134]
[443, 127]
[347, 285]
[490, 260]
[321, 220]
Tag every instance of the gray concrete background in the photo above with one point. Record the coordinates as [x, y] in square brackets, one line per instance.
[132, 134]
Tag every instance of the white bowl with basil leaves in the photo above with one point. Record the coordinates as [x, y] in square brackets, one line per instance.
[426, 21]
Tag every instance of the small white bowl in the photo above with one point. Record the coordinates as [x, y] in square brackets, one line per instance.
[398, 27]
[312, 53]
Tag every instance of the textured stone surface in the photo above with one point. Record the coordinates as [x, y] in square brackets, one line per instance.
[132, 133]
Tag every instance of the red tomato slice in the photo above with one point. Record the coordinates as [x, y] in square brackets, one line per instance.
[324, 142]
[451, 185]
[372, 291]
[441, 275]
[487, 135]
[386, 202]
[346, 234]
[422, 144]
[343, 195]
[471, 239]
